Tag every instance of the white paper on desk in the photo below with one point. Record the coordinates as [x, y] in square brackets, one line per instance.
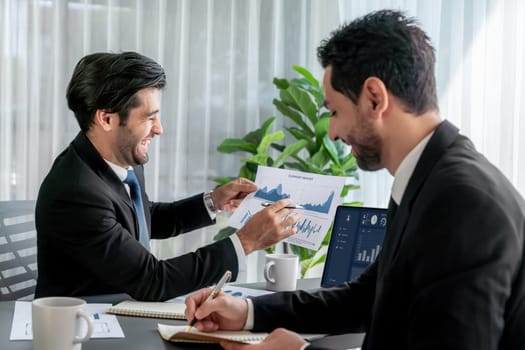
[105, 326]
[318, 194]
[243, 292]
[232, 289]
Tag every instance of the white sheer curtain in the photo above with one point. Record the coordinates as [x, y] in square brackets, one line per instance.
[480, 48]
[220, 57]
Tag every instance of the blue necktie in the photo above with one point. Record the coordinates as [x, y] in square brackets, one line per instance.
[136, 197]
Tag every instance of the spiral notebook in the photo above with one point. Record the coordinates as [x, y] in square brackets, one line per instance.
[180, 334]
[149, 309]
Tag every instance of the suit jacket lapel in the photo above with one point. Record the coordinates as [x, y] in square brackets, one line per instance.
[88, 153]
[96, 163]
[443, 136]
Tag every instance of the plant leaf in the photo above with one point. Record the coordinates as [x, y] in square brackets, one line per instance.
[305, 73]
[281, 84]
[349, 163]
[357, 204]
[257, 135]
[331, 149]
[324, 115]
[289, 150]
[294, 116]
[304, 101]
[320, 159]
[288, 100]
[224, 232]
[300, 135]
[307, 264]
[236, 145]
[248, 173]
[267, 140]
[321, 130]
[222, 180]
[303, 253]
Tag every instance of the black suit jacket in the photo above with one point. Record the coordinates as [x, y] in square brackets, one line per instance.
[87, 235]
[451, 271]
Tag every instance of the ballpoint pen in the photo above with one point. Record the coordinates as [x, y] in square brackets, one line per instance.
[216, 290]
[290, 206]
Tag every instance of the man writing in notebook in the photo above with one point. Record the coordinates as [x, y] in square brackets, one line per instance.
[451, 271]
[93, 216]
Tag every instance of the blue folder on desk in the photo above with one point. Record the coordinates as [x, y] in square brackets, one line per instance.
[357, 237]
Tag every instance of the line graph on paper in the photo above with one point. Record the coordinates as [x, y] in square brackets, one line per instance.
[275, 194]
[318, 194]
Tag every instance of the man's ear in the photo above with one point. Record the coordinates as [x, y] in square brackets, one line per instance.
[376, 95]
[105, 120]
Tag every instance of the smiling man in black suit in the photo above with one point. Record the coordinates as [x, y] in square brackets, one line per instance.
[93, 216]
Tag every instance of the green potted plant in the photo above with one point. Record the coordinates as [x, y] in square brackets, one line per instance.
[301, 100]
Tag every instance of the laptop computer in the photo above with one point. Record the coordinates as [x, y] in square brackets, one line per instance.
[357, 237]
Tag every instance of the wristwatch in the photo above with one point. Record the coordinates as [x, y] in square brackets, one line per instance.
[209, 202]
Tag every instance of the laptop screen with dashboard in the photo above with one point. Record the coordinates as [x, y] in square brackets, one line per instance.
[357, 237]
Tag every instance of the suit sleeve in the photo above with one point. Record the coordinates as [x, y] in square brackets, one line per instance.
[87, 229]
[321, 310]
[172, 219]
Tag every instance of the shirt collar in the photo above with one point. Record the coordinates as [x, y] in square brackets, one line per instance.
[406, 168]
[121, 172]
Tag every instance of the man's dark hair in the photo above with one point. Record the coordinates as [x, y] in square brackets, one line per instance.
[110, 81]
[387, 45]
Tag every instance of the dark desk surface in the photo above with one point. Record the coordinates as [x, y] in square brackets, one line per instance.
[141, 333]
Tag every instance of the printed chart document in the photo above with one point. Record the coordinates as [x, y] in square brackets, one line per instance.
[105, 326]
[318, 194]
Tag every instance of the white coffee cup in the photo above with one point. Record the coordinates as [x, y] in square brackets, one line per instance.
[57, 323]
[280, 271]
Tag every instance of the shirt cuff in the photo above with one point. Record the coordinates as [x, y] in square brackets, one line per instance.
[249, 318]
[241, 257]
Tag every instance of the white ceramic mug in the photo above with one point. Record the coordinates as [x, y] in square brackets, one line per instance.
[280, 271]
[57, 323]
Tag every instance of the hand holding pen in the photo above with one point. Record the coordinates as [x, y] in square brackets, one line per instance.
[289, 206]
[225, 312]
[216, 290]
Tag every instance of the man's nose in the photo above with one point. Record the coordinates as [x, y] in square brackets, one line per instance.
[331, 130]
[157, 127]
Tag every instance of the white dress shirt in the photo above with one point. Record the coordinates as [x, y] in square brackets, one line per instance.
[406, 168]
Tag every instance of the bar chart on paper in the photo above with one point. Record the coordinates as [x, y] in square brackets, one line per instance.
[317, 194]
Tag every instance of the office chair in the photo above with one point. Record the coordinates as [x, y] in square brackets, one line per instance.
[18, 268]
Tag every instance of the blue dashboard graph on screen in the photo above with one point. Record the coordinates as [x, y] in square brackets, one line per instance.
[355, 243]
[275, 194]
